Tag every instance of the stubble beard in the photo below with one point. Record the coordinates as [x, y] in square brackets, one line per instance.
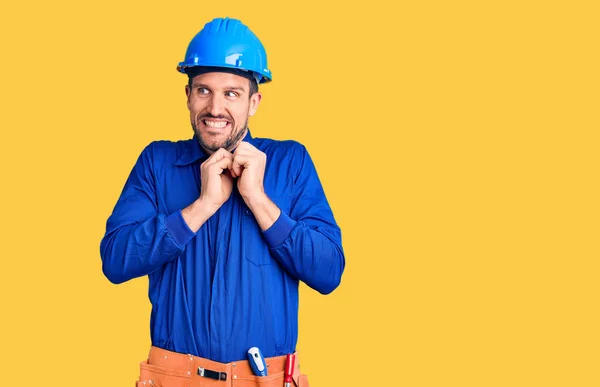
[232, 140]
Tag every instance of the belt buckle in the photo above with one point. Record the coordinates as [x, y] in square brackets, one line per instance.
[206, 373]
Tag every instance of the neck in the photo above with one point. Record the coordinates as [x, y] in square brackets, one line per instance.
[229, 146]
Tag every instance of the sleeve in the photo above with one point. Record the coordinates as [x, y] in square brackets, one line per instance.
[139, 239]
[308, 242]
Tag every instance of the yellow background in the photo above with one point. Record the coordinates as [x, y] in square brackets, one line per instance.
[457, 142]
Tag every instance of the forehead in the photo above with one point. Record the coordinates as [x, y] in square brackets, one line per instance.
[221, 80]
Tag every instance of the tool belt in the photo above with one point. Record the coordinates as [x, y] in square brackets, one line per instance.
[172, 369]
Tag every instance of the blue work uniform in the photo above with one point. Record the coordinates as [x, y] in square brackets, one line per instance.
[230, 286]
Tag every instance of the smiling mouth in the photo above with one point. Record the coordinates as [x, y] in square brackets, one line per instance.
[215, 124]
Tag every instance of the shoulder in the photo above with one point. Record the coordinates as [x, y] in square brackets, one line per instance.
[166, 146]
[163, 151]
[283, 148]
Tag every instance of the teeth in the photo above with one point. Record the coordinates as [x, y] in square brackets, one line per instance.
[215, 124]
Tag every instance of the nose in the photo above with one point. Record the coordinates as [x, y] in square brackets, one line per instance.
[216, 105]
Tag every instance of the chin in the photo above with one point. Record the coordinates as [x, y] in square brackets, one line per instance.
[212, 145]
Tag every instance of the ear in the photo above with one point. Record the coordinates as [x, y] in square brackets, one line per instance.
[188, 92]
[254, 102]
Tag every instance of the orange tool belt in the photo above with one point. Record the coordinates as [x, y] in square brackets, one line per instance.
[171, 369]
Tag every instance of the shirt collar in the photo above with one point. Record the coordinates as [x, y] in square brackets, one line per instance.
[194, 152]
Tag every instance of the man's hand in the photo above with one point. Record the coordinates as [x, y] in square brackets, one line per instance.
[217, 181]
[216, 187]
[249, 166]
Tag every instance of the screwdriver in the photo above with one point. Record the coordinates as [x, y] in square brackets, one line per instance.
[289, 369]
[257, 362]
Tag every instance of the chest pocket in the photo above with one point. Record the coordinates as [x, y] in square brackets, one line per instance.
[257, 250]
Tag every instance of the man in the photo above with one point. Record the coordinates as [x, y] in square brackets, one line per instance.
[225, 225]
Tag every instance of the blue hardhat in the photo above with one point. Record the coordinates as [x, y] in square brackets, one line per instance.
[228, 43]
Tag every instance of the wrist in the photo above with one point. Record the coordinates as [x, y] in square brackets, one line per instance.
[203, 209]
[257, 200]
[197, 213]
[265, 211]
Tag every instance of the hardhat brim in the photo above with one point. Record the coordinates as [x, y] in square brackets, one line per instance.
[261, 77]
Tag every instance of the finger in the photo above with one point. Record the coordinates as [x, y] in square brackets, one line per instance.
[240, 162]
[244, 148]
[242, 145]
[228, 172]
[249, 151]
[221, 165]
[232, 172]
[220, 155]
[245, 145]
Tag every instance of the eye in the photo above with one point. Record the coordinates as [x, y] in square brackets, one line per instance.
[202, 90]
[231, 94]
